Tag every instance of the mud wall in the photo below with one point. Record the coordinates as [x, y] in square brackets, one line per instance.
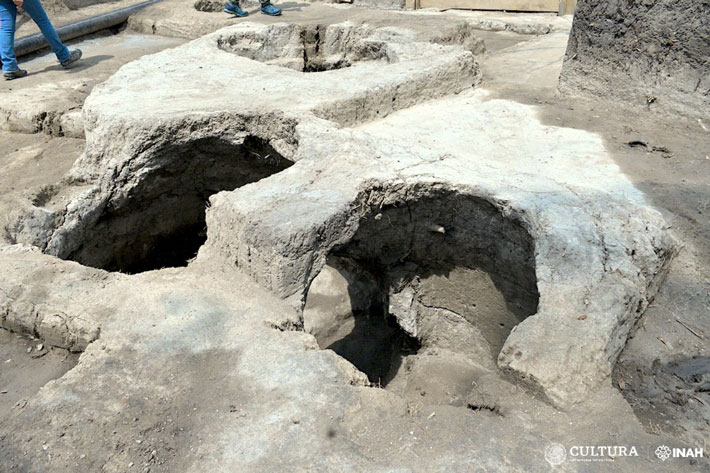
[648, 53]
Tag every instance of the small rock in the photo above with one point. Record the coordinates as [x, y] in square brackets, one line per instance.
[40, 347]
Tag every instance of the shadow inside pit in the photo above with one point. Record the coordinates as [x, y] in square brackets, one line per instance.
[159, 221]
[377, 344]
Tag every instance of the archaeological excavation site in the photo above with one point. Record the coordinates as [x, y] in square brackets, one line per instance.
[380, 236]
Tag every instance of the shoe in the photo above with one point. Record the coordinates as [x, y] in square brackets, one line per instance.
[11, 75]
[270, 9]
[235, 9]
[73, 57]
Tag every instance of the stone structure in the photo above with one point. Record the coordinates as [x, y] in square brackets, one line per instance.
[584, 279]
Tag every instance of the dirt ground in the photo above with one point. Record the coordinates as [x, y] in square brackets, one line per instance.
[27, 364]
[664, 371]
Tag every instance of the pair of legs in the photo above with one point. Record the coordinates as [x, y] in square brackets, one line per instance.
[8, 15]
[267, 8]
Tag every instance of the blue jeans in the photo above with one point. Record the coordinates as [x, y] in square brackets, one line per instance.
[8, 14]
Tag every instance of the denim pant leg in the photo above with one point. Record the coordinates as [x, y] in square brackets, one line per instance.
[8, 15]
[39, 16]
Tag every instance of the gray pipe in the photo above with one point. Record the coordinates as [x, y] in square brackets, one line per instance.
[35, 42]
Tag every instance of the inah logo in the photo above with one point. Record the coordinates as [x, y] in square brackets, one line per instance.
[555, 454]
[663, 452]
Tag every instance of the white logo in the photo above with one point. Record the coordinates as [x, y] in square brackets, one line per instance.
[663, 452]
[555, 454]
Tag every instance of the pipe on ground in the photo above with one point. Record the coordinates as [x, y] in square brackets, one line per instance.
[35, 42]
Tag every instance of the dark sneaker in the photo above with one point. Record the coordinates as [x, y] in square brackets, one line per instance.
[11, 75]
[270, 9]
[235, 9]
[73, 57]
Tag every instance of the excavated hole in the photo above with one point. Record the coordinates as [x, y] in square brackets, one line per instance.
[319, 58]
[305, 48]
[424, 295]
[160, 222]
[347, 313]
